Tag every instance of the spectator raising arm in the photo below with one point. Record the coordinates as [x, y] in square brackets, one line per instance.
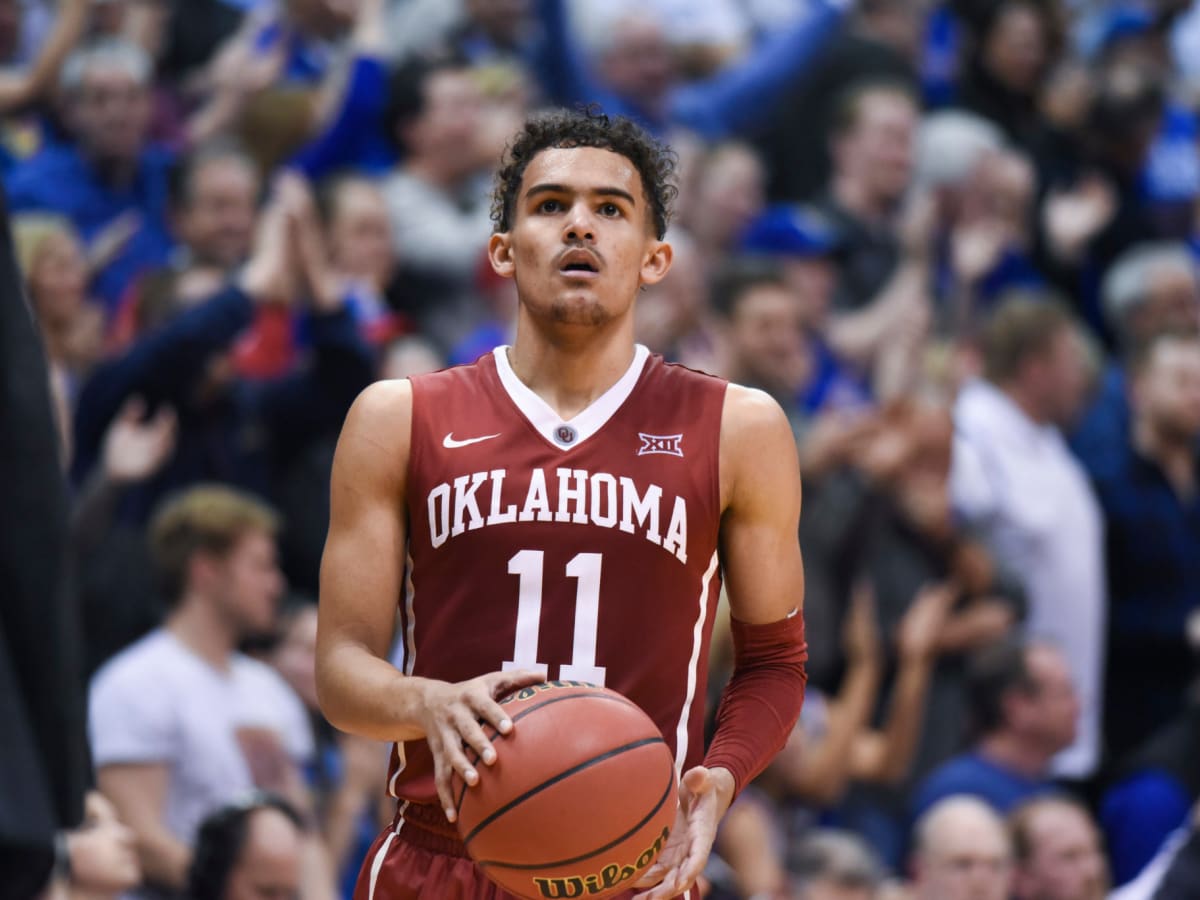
[18, 89]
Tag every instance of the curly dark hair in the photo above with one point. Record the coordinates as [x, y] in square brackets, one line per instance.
[563, 129]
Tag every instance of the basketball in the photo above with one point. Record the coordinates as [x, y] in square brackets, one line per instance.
[581, 797]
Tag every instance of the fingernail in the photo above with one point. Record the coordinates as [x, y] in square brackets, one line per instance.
[506, 725]
[472, 776]
[450, 816]
[489, 756]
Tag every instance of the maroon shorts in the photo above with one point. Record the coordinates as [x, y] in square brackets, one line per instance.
[418, 858]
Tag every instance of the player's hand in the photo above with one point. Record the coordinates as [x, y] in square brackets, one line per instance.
[704, 795]
[452, 718]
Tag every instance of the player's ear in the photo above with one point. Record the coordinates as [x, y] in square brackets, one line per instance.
[657, 262]
[500, 254]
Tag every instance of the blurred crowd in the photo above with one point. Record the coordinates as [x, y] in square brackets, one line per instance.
[957, 240]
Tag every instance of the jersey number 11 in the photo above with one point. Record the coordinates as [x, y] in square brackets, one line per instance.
[585, 569]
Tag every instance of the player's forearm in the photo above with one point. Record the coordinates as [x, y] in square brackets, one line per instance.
[365, 695]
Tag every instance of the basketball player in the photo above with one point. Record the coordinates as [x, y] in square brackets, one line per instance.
[566, 507]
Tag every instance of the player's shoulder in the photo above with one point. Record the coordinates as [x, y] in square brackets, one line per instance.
[750, 413]
[679, 374]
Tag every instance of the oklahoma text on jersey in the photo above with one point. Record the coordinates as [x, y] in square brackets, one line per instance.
[565, 495]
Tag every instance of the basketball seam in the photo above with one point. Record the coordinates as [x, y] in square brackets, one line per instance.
[474, 754]
[496, 864]
[574, 770]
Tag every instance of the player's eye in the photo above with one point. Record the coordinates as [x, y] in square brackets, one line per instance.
[550, 206]
[610, 209]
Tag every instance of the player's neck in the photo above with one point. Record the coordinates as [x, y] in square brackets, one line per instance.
[570, 374]
[197, 625]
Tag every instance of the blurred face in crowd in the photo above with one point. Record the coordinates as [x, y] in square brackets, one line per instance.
[1046, 714]
[58, 279]
[410, 355]
[217, 222]
[730, 192]
[767, 341]
[876, 153]
[965, 855]
[1171, 303]
[110, 112]
[835, 889]
[1001, 190]
[637, 63]
[360, 234]
[581, 241]
[323, 18]
[269, 865]
[1015, 49]
[1065, 860]
[246, 583]
[812, 279]
[502, 19]
[1059, 377]
[1166, 393]
[11, 20]
[446, 129]
[295, 658]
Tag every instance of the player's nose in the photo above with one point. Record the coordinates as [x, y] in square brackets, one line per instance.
[579, 225]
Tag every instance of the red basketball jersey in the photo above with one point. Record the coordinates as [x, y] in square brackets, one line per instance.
[585, 548]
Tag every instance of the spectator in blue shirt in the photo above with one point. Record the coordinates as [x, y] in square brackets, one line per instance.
[1152, 509]
[1151, 288]
[1153, 793]
[1026, 711]
[112, 182]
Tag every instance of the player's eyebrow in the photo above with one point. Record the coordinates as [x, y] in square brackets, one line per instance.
[550, 188]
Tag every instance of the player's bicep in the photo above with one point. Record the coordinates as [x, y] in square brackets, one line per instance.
[760, 473]
[362, 567]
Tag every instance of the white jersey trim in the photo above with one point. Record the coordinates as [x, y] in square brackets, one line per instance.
[681, 731]
[549, 423]
[377, 864]
[408, 657]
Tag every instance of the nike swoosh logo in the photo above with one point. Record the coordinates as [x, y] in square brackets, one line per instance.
[450, 443]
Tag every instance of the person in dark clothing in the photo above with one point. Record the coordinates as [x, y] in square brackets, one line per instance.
[235, 431]
[877, 44]
[1010, 45]
[1152, 517]
[43, 755]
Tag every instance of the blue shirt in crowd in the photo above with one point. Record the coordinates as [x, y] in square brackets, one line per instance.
[1153, 551]
[973, 773]
[1137, 815]
[59, 179]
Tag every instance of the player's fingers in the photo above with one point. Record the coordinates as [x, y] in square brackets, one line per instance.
[493, 713]
[449, 760]
[452, 752]
[472, 735]
[501, 683]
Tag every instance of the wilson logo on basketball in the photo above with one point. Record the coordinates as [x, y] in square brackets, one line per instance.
[606, 879]
[669, 444]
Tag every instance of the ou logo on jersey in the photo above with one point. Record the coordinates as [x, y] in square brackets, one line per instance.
[669, 444]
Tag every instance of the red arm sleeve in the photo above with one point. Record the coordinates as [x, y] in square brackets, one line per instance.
[761, 703]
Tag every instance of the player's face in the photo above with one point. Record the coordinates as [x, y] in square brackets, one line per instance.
[581, 243]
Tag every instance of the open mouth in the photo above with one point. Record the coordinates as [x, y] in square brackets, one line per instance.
[578, 264]
[579, 267]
